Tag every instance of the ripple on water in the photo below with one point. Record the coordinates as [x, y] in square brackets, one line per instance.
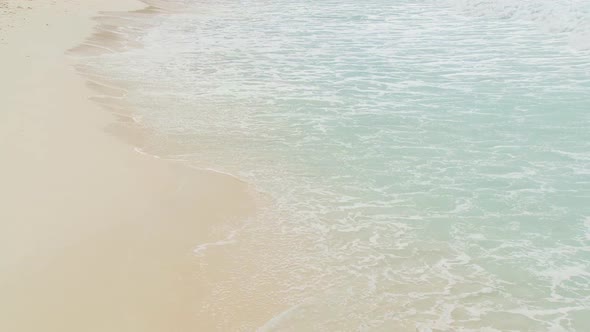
[433, 155]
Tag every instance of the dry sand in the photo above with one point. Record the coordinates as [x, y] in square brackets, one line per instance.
[93, 235]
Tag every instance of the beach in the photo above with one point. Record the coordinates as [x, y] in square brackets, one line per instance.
[94, 236]
[189, 165]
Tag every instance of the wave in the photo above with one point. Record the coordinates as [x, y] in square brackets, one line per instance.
[568, 18]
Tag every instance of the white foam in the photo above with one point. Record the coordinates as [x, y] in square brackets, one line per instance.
[230, 239]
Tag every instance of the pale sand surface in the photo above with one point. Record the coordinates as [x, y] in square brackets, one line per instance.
[93, 235]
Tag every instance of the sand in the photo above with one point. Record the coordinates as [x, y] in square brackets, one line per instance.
[93, 235]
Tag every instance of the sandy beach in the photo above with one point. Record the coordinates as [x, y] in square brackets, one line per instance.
[93, 235]
[185, 165]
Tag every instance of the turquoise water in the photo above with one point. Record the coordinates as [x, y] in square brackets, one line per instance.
[428, 161]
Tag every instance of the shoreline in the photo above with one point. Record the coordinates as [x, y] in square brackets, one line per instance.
[94, 236]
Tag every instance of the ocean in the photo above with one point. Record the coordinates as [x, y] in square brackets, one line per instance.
[424, 165]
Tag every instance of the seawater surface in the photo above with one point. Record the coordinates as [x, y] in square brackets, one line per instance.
[428, 161]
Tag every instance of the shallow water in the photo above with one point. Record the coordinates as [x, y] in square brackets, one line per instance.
[429, 161]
